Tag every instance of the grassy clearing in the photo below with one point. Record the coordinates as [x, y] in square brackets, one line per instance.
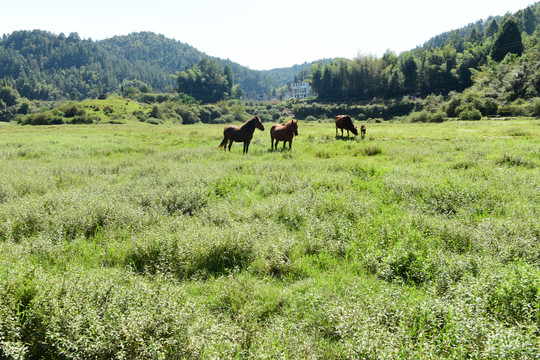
[421, 241]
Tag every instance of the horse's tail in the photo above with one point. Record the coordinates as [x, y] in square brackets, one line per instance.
[222, 143]
[272, 131]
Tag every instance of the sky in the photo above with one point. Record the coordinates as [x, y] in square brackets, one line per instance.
[261, 35]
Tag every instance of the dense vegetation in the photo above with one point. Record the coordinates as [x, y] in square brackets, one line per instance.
[207, 82]
[489, 68]
[139, 241]
[45, 66]
[449, 64]
[125, 240]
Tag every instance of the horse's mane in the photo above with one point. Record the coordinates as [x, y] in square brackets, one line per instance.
[250, 121]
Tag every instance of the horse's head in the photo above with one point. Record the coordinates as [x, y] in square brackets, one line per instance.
[258, 123]
[295, 127]
[354, 130]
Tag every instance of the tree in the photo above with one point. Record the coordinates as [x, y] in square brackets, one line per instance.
[528, 20]
[507, 40]
[206, 81]
[474, 37]
[492, 28]
[409, 70]
[9, 95]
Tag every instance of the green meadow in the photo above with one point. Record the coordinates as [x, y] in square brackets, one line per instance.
[134, 241]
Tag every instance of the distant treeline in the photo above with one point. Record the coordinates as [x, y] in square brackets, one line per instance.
[449, 62]
[44, 66]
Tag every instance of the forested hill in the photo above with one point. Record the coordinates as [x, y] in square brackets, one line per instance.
[41, 65]
[450, 62]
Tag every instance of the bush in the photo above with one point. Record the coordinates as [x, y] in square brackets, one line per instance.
[189, 115]
[69, 110]
[225, 119]
[44, 118]
[513, 110]
[84, 119]
[426, 116]
[471, 114]
[108, 109]
[155, 113]
[534, 107]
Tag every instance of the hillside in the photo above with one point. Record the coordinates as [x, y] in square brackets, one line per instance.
[39, 65]
[452, 62]
[44, 66]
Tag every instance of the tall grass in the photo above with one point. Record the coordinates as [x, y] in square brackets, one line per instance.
[135, 241]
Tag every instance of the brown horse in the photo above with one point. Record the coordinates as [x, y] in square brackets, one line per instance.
[345, 122]
[284, 132]
[242, 133]
[363, 130]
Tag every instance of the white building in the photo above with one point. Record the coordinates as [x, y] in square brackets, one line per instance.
[300, 91]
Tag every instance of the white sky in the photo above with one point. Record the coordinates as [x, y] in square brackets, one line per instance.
[261, 34]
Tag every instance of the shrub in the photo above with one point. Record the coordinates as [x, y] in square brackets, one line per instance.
[155, 113]
[225, 119]
[426, 116]
[189, 115]
[43, 118]
[84, 119]
[108, 109]
[141, 116]
[534, 107]
[471, 114]
[513, 110]
[71, 110]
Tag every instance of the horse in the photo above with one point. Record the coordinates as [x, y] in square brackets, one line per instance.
[363, 130]
[345, 122]
[284, 132]
[242, 133]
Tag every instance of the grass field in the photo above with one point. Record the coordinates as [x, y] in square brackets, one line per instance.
[136, 241]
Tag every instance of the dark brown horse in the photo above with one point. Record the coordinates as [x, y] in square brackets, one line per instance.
[363, 130]
[345, 122]
[284, 132]
[242, 133]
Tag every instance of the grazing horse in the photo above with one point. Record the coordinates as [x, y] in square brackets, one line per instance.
[363, 130]
[345, 122]
[284, 132]
[242, 133]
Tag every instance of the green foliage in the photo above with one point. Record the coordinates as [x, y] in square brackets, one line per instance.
[9, 99]
[206, 81]
[445, 63]
[74, 68]
[423, 236]
[507, 40]
[470, 114]
[426, 116]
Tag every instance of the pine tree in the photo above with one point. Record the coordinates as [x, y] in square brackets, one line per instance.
[507, 40]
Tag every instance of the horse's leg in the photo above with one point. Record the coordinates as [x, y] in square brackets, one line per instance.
[272, 144]
[290, 144]
[246, 147]
[230, 144]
